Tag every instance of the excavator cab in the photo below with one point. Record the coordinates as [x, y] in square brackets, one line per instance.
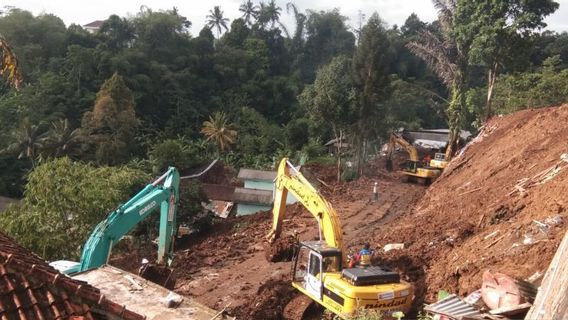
[410, 166]
[439, 161]
[310, 258]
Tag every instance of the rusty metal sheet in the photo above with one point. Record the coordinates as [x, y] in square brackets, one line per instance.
[454, 308]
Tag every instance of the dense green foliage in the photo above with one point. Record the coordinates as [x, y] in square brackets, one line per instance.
[153, 90]
[63, 202]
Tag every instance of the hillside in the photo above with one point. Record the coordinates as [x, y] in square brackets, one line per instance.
[473, 218]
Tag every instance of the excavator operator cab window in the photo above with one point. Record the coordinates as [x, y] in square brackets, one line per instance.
[409, 166]
[331, 264]
[301, 264]
[315, 265]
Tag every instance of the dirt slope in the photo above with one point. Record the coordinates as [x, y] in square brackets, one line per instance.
[227, 267]
[469, 221]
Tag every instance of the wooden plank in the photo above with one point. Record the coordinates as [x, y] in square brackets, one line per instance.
[552, 299]
[470, 191]
[511, 311]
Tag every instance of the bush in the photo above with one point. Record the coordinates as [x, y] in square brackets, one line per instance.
[348, 175]
[172, 152]
[64, 201]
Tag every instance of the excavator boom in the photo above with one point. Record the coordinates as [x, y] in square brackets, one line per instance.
[119, 222]
[291, 180]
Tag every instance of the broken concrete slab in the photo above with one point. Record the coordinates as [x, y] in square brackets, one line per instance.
[145, 297]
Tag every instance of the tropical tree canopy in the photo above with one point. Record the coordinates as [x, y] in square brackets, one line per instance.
[216, 20]
[9, 69]
[219, 130]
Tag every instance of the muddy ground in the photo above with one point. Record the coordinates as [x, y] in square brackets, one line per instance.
[470, 220]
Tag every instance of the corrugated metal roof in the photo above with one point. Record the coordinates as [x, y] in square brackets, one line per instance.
[251, 174]
[455, 308]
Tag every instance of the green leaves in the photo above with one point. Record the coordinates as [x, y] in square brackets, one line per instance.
[112, 123]
[63, 202]
[172, 152]
[216, 20]
[219, 130]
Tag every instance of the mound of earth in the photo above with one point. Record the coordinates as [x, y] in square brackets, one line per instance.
[500, 205]
[268, 302]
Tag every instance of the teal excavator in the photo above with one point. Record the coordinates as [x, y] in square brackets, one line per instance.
[162, 193]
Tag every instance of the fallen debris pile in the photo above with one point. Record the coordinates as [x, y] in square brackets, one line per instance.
[268, 302]
[470, 221]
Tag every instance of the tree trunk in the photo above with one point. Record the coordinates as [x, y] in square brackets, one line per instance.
[338, 151]
[452, 144]
[456, 114]
[491, 77]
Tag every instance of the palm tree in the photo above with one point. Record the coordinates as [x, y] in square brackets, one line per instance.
[449, 61]
[61, 139]
[250, 11]
[10, 69]
[27, 140]
[297, 40]
[216, 20]
[271, 13]
[217, 129]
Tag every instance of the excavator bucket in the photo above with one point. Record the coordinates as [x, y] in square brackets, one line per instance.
[282, 249]
[158, 274]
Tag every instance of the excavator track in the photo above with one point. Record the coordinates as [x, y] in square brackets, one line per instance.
[297, 307]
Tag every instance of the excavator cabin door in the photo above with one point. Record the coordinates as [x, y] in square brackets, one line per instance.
[308, 271]
[314, 276]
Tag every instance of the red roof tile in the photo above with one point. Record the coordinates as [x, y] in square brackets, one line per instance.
[31, 289]
[95, 24]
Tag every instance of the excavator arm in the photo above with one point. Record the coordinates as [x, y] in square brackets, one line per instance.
[291, 180]
[119, 222]
[395, 139]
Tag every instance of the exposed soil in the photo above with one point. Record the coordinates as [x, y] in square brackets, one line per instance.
[228, 267]
[281, 250]
[470, 220]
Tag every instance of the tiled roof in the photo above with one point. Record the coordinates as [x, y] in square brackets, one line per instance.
[31, 289]
[95, 24]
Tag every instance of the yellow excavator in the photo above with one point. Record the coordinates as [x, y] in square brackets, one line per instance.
[319, 269]
[413, 169]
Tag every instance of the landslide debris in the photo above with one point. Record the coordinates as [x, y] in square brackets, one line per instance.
[474, 218]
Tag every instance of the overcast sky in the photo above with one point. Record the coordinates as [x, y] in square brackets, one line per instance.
[392, 11]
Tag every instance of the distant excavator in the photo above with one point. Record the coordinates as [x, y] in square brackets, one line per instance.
[440, 161]
[319, 269]
[413, 169]
[162, 193]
